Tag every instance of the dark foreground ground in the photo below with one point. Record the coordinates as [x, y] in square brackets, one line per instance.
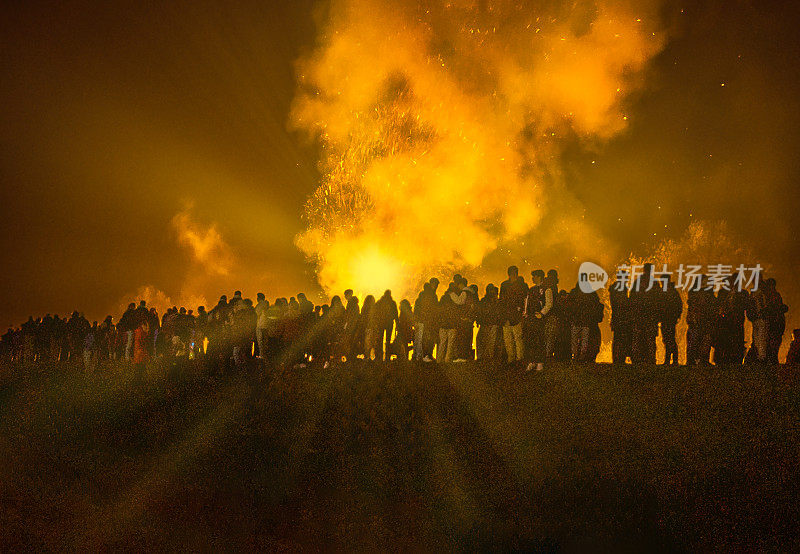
[400, 457]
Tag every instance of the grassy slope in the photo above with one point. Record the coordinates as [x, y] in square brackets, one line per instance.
[368, 456]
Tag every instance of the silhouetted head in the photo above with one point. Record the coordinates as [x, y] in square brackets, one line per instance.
[434, 283]
[348, 294]
[142, 303]
[387, 293]
[237, 294]
[537, 276]
[260, 297]
[183, 310]
[513, 271]
[552, 276]
[131, 306]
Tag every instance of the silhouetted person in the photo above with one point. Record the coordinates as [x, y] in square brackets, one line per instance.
[512, 297]
[352, 316]
[643, 299]
[405, 330]
[467, 322]
[448, 318]
[262, 305]
[201, 330]
[701, 312]
[274, 332]
[596, 313]
[385, 314]
[562, 345]
[333, 330]
[582, 311]
[533, 320]
[776, 320]
[216, 331]
[142, 315]
[556, 325]
[125, 327]
[488, 316]
[425, 316]
[670, 310]
[106, 339]
[793, 357]
[729, 328]
[367, 334]
[155, 329]
[621, 319]
[141, 352]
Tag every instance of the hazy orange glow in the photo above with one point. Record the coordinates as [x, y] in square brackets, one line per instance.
[372, 270]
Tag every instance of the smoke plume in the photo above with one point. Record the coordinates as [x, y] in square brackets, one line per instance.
[441, 126]
[205, 243]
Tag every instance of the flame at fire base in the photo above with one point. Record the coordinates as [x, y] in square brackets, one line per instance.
[441, 125]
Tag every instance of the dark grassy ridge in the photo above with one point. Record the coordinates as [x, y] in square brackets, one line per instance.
[368, 456]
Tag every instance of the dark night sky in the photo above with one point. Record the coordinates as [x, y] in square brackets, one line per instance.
[117, 116]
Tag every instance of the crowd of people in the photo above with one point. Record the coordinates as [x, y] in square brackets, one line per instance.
[522, 325]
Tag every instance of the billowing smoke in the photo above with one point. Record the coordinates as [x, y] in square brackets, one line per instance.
[442, 123]
[205, 243]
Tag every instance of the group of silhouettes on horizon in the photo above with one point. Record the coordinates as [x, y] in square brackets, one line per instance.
[524, 326]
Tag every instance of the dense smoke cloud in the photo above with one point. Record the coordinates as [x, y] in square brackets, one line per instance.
[442, 126]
